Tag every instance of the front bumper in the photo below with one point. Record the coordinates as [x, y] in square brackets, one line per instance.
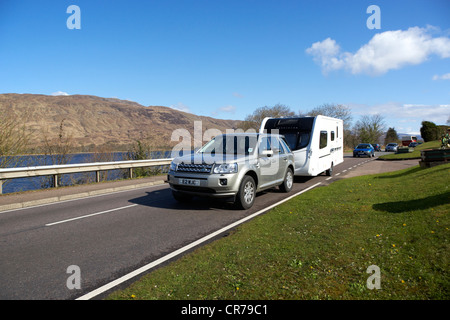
[362, 153]
[206, 185]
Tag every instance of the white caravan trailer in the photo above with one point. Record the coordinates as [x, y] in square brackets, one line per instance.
[317, 142]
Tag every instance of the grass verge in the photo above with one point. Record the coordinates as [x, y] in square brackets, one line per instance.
[319, 246]
[412, 155]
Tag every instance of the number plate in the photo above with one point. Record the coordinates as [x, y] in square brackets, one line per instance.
[190, 182]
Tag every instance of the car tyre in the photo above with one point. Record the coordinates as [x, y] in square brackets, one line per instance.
[246, 194]
[288, 182]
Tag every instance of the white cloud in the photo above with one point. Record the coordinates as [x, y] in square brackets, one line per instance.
[60, 93]
[181, 107]
[230, 109]
[405, 117]
[442, 77]
[404, 111]
[386, 51]
[226, 109]
[237, 95]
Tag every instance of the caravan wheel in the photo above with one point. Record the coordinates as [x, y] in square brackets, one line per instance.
[329, 172]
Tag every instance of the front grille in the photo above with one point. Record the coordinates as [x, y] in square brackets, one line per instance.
[194, 168]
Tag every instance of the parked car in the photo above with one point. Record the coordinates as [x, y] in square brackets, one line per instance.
[364, 149]
[234, 166]
[376, 146]
[391, 147]
[413, 144]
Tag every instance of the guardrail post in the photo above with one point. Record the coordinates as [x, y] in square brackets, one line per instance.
[1, 186]
[131, 173]
[55, 180]
[97, 176]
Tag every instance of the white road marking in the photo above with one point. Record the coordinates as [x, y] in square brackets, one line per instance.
[90, 215]
[153, 264]
[83, 198]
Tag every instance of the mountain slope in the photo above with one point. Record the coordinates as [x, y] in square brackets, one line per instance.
[95, 121]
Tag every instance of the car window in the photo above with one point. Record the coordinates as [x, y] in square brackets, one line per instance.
[276, 144]
[230, 145]
[282, 150]
[286, 147]
[265, 144]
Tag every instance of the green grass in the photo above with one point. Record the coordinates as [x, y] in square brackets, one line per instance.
[320, 244]
[412, 155]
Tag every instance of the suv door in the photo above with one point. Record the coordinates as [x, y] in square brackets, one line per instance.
[282, 157]
[272, 159]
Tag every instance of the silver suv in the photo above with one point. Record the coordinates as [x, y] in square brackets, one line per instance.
[234, 166]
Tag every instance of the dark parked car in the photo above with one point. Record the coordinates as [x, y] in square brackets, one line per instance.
[413, 144]
[364, 149]
[376, 146]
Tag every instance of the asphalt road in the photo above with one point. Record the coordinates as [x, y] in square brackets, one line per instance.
[111, 235]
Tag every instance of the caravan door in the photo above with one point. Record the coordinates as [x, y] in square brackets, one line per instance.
[323, 151]
[302, 151]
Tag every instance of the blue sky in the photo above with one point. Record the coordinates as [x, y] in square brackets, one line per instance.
[225, 58]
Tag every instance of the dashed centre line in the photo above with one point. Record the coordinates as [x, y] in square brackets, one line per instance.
[89, 215]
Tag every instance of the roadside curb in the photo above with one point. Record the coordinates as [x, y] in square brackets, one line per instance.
[26, 204]
[399, 159]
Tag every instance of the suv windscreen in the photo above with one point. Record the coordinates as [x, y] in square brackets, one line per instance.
[230, 145]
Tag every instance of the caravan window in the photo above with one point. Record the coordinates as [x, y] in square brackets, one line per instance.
[291, 139]
[332, 135]
[303, 140]
[323, 139]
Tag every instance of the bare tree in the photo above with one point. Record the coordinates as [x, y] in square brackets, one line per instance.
[338, 111]
[56, 150]
[14, 139]
[369, 129]
[254, 120]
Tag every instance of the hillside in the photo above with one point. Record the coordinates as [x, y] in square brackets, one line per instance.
[93, 121]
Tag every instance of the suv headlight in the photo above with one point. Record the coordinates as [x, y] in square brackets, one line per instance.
[173, 166]
[226, 168]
